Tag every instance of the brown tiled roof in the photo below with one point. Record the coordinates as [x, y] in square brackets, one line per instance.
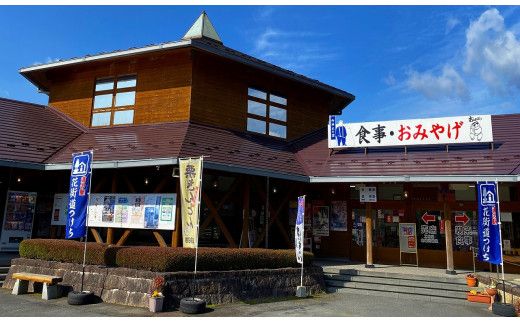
[32, 133]
[459, 160]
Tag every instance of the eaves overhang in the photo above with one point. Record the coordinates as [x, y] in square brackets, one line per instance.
[414, 178]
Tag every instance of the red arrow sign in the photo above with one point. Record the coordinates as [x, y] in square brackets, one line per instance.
[462, 218]
[427, 218]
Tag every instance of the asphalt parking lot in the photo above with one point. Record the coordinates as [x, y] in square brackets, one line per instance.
[320, 305]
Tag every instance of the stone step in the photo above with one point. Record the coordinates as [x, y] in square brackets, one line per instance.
[381, 274]
[430, 298]
[398, 282]
[381, 287]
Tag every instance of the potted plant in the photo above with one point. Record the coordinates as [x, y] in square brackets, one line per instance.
[156, 297]
[492, 289]
[471, 280]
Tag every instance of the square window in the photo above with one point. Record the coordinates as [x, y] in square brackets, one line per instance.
[126, 82]
[277, 99]
[277, 113]
[125, 98]
[101, 119]
[277, 130]
[124, 117]
[104, 85]
[103, 101]
[256, 125]
[254, 107]
[257, 94]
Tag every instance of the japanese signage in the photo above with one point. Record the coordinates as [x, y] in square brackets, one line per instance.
[489, 245]
[18, 219]
[132, 211]
[190, 178]
[368, 194]
[59, 209]
[464, 230]
[430, 229]
[320, 221]
[78, 195]
[299, 230]
[449, 130]
[407, 237]
[358, 230]
[339, 215]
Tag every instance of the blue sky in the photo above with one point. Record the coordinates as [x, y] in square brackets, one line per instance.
[400, 62]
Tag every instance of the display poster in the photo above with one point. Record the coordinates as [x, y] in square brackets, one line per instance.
[433, 131]
[358, 230]
[368, 194]
[132, 211]
[190, 180]
[299, 230]
[320, 221]
[429, 227]
[339, 215]
[407, 237]
[59, 209]
[18, 219]
[489, 244]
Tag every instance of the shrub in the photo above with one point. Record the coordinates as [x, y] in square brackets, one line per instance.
[160, 259]
[63, 251]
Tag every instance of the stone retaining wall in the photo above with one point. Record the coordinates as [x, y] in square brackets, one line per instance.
[130, 286]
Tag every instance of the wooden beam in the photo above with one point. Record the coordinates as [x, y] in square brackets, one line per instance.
[245, 215]
[231, 190]
[96, 235]
[123, 238]
[110, 235]
[159, 239]
[218, 220]
[368, 225]
[177, 233]
[285, 236]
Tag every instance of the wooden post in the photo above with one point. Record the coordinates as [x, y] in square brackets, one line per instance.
[450, 269]
[159, 239]
[96, 235]
[245, 214]
[368, 225]
[123, 238]
[176, 234]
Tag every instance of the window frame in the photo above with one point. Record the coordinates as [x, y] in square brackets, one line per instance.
[267, 119]
[113, 92]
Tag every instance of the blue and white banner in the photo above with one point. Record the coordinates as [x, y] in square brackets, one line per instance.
[298, 230]
[78, 195]
[489, 244]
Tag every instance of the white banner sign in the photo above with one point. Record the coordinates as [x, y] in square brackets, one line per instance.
[132, 211]
[449, 130]
[59, 209]
[407, 237]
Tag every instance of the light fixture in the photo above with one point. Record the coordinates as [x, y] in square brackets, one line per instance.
[332, 191]
[405, 193]
[18, 179]
[471, 185]
[352, 186]
[274, 189]
[146, 181]
[215, 183]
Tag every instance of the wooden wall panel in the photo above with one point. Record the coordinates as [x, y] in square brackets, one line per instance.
[219, 96]
[163, 86]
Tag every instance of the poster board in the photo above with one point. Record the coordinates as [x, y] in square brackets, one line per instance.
[18, 219]
[320, 221]
[133, 211]
[339, 215]
[59, 209]
[408, 241]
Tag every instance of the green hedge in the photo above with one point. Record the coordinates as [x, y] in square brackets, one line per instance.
[161, 259]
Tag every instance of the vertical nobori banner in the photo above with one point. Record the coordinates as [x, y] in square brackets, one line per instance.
[298, 230]
[78, 195]
[489, 244]
[190, 179]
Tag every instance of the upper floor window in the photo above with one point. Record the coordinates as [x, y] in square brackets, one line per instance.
[114, 100]
[266, 113]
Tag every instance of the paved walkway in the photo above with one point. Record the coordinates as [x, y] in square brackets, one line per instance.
[321, 305]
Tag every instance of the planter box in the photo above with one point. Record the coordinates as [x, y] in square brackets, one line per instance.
[479, 298]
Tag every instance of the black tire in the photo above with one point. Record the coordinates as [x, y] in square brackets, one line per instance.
[504, 309]
[79, 298]
[191, 305]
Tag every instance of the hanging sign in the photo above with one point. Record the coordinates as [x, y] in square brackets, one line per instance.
[368, 194]
[190, 179]
[434, 131]
[489, 246]
[78, 195]
[299, 230]
[407, 237]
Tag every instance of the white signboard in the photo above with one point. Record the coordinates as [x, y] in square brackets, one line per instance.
[407, 237]
[132, 211]
[434, 131]
[59, 209]
[368, 194]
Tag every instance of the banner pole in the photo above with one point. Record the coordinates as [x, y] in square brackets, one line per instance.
[500, 233]
[198, 220]
[303, 249]
[86, 222]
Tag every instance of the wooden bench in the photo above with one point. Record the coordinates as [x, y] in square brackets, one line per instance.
[49, 291]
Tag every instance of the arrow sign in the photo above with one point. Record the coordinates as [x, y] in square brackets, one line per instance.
[462, 218]
[427, 218]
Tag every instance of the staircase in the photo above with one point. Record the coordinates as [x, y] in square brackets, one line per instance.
[3, 274]
[397, 285]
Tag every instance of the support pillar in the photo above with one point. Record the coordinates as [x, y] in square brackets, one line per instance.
[368, 226]
[450, 269]
[245, 214]
[176, 234]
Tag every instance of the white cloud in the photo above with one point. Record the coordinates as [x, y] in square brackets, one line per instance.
[390, 79]
[448, 84]
[450, 24]
[493, 52]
